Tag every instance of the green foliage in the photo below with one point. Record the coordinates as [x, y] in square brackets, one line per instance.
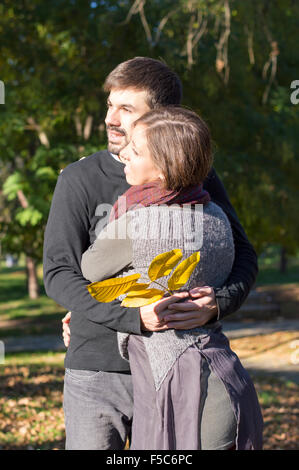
[54, 59]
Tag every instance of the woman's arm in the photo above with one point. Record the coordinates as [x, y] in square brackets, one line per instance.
[110, 253]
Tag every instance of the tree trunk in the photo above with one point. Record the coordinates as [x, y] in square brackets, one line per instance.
[32, 281]
[283, 260]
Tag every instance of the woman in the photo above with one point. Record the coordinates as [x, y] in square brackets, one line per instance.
[190, 389]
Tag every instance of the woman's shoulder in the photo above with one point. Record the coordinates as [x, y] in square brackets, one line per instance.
[211, 209]
[214, 210]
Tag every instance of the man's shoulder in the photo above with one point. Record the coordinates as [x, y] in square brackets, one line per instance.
[85, 165]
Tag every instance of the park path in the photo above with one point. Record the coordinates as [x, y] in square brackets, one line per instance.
[271, 364]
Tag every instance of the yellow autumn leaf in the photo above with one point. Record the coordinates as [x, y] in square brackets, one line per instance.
[138, 288]
[146, 298]
[110, 289]
[163, 264]
[183, 271]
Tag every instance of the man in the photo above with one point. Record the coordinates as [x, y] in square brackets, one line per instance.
[98, 389]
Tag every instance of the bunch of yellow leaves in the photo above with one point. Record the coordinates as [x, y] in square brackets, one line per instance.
[139, 294]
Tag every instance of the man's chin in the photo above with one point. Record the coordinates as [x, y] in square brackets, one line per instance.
[116, 148]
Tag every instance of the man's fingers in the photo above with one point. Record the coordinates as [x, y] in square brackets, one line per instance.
[181, 316]
[66, 340]
[66, 329]
[67, 318]
[182, 307]
[201, 291]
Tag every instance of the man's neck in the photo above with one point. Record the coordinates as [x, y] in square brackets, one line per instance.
[116, 157]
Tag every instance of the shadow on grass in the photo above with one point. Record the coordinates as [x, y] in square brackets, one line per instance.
[16, 289]
[268, 276]
[14, 269]
[38, 324]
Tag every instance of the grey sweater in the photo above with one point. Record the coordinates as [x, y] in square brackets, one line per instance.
[129, 244]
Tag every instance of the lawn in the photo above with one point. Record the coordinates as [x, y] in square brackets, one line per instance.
[31, 414]
[19, 315]
[269, 269]
[31, 384]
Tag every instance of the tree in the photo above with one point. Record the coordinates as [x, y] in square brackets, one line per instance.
[236, 64]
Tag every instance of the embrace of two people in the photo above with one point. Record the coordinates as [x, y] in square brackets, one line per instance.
[161, 375]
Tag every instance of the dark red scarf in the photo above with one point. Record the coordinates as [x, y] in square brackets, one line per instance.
[152, 193]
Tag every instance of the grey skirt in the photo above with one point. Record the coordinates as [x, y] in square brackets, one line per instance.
[207, 400]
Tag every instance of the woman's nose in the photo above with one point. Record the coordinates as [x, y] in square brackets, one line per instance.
[124, 155]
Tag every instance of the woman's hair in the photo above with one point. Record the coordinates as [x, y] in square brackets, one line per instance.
[162, 85]
[180, 145]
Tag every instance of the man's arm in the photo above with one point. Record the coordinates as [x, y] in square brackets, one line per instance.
[230, 296]
[66, 238]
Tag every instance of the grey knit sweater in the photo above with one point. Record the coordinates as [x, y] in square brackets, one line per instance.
[148, 232]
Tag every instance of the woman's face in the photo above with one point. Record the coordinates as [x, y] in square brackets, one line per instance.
[140, 168]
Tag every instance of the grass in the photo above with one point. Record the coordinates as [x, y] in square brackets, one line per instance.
[31, 384]
[20, 315]
[269, 268]
[31, 413]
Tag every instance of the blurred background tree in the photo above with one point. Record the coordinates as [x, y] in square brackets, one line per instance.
[236, 60]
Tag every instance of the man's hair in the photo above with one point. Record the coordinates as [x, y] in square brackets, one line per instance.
[180, 145]
[162, 85]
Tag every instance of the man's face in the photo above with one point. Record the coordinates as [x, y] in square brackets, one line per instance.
[124, 107]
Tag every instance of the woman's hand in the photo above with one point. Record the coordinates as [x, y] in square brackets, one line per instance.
[152, 315]
[193, 312]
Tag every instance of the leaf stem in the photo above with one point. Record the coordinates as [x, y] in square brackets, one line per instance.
[167, 290]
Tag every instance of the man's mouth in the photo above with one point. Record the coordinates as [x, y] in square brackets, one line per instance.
[115, 134]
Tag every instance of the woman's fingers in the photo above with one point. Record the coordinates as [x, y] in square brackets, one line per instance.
[163, 303]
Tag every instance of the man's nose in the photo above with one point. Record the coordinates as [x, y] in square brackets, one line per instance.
[113, 117]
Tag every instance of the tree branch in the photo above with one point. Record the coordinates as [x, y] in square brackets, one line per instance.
[222, 65]
[41, 134]
[162, 24]
[273, 62]
[87, 127]
[22, 199]
[250, 45]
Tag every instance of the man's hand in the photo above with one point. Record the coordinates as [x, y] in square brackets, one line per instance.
[191, 313]
[152, 315]
[66, 329]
